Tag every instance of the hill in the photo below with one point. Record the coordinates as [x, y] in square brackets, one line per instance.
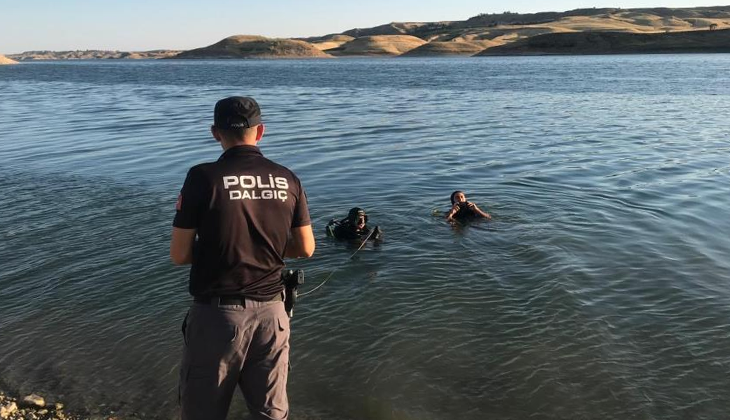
[382, 45]
[250, 46]
[493, 30]
[395, 28]
[549, 31]
[5, 60]
[611, 19]
[91, 55]
[332, 41]
[617, 43]
[448, 48]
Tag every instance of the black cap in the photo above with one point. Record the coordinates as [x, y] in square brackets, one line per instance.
[236, 112]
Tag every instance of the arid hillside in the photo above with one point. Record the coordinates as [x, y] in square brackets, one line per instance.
[331, 42]
[5, 60]
[378, 45]
[449, 48]
[617, 43]
[580, 31]
[92, 55]
[492, 30]
[251, 46]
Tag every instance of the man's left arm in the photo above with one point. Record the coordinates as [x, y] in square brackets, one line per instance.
[181, 245]
[479, 211]
[301, 238]
[301, 243]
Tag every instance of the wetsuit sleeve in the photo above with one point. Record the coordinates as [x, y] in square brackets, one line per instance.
[301, 211]
[192, 201]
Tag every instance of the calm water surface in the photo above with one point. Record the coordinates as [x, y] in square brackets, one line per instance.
[601, 290]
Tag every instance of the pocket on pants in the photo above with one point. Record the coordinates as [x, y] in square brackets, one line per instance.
[283, 323]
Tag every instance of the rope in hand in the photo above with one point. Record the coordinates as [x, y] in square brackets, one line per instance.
[335, 270]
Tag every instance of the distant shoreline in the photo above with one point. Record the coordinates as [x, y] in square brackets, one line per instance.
[367, 57]
[590, 31]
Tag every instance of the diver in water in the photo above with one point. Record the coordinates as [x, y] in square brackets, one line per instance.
[463, 210]
[354, 226]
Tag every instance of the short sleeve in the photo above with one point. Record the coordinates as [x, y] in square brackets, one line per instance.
[192, 201]
[301, 211]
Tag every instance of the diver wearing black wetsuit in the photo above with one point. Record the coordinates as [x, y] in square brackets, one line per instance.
[354, 226]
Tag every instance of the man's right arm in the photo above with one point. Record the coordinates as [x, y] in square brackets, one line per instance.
[301, 243]
[452, 212]
[191, 202]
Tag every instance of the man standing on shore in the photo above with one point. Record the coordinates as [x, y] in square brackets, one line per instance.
[237, 218]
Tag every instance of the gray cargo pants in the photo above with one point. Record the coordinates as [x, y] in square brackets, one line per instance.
[232, 345]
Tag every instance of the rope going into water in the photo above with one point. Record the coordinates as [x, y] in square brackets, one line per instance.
[335, 270]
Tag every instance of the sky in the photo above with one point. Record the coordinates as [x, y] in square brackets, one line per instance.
[140, 25]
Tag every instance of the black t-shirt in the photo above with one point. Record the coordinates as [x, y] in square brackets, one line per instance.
[243, 207]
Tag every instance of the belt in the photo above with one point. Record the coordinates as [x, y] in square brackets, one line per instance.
[231, 300]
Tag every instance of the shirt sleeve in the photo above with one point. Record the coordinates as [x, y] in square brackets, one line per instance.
[301, 211]
[192, 201]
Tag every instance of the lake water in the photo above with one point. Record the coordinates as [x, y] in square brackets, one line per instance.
[601, 289]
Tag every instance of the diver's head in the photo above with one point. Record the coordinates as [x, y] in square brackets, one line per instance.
[458, 197]
[357, 217]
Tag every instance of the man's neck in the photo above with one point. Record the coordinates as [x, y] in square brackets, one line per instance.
[230, 144]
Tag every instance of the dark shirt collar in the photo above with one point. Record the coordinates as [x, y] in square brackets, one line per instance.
[243, 150]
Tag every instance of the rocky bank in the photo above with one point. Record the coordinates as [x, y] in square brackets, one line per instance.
[36, 407]
[31, 407]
